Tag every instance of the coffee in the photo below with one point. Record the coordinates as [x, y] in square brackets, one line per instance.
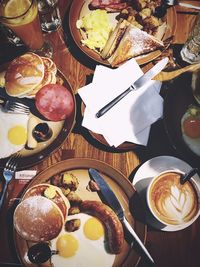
[171, 202]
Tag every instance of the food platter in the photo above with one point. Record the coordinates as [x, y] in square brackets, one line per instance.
[178, 99]
[61, 130]
[119, 184]
[80, 8]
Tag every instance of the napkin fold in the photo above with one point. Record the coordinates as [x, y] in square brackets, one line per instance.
[131, 118]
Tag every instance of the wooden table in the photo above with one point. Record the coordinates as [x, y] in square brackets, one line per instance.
[172, 249]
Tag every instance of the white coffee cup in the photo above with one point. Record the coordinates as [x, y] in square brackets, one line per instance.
[173, 203]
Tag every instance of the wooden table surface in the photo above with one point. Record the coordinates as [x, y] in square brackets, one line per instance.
[174, 249]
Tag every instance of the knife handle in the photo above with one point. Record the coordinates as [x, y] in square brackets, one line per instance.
[108, 106]
[137, 239]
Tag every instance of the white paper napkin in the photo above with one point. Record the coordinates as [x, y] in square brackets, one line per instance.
[131, 118]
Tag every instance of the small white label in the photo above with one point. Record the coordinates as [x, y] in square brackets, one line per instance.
[25, 175]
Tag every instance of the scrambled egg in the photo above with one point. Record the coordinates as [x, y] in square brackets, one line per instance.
[97, 27]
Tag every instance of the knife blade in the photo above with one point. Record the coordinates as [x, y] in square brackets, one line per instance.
[176, 2]
[114, 203]
[135, 86]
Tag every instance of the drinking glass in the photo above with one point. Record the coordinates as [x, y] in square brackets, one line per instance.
[21, 16]
[49, 15]
[191, 49]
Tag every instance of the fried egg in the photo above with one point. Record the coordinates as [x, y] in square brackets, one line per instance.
[13, 133]
[190, 126]
[84, 247]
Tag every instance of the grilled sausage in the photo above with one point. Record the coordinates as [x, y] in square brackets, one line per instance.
[114, 229]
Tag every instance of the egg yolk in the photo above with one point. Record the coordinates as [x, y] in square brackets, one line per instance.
[17, 135]
[93, 229]
[67, 245]
[191, 127]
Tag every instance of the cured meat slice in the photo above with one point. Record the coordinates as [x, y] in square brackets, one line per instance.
[109, 5]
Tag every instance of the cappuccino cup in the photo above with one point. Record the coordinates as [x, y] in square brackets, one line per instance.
[173, 203]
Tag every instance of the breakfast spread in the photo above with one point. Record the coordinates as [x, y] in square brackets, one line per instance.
[35, 81]
[63, 211]
[110, 23]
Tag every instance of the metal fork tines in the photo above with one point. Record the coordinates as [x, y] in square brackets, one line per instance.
[14, 106]
[8, 173]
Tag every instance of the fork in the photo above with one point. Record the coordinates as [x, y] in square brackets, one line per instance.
[14, 106]
[8, 173]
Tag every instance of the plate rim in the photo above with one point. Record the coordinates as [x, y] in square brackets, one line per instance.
[85, 163]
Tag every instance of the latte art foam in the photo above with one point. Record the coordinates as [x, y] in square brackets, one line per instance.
[171, 201]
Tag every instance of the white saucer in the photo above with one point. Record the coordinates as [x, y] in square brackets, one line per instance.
[145, 174]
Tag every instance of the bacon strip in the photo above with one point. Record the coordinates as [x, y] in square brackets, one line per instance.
[109, 5]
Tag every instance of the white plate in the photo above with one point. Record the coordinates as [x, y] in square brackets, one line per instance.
[145, 174]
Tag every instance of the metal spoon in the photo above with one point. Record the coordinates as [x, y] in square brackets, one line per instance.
[186, 177]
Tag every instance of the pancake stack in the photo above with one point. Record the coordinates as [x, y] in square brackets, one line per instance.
[27, 74]
[41, 214]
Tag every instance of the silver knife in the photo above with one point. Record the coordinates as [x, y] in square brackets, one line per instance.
[114, 203]
[135, 86]
[176, 2]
